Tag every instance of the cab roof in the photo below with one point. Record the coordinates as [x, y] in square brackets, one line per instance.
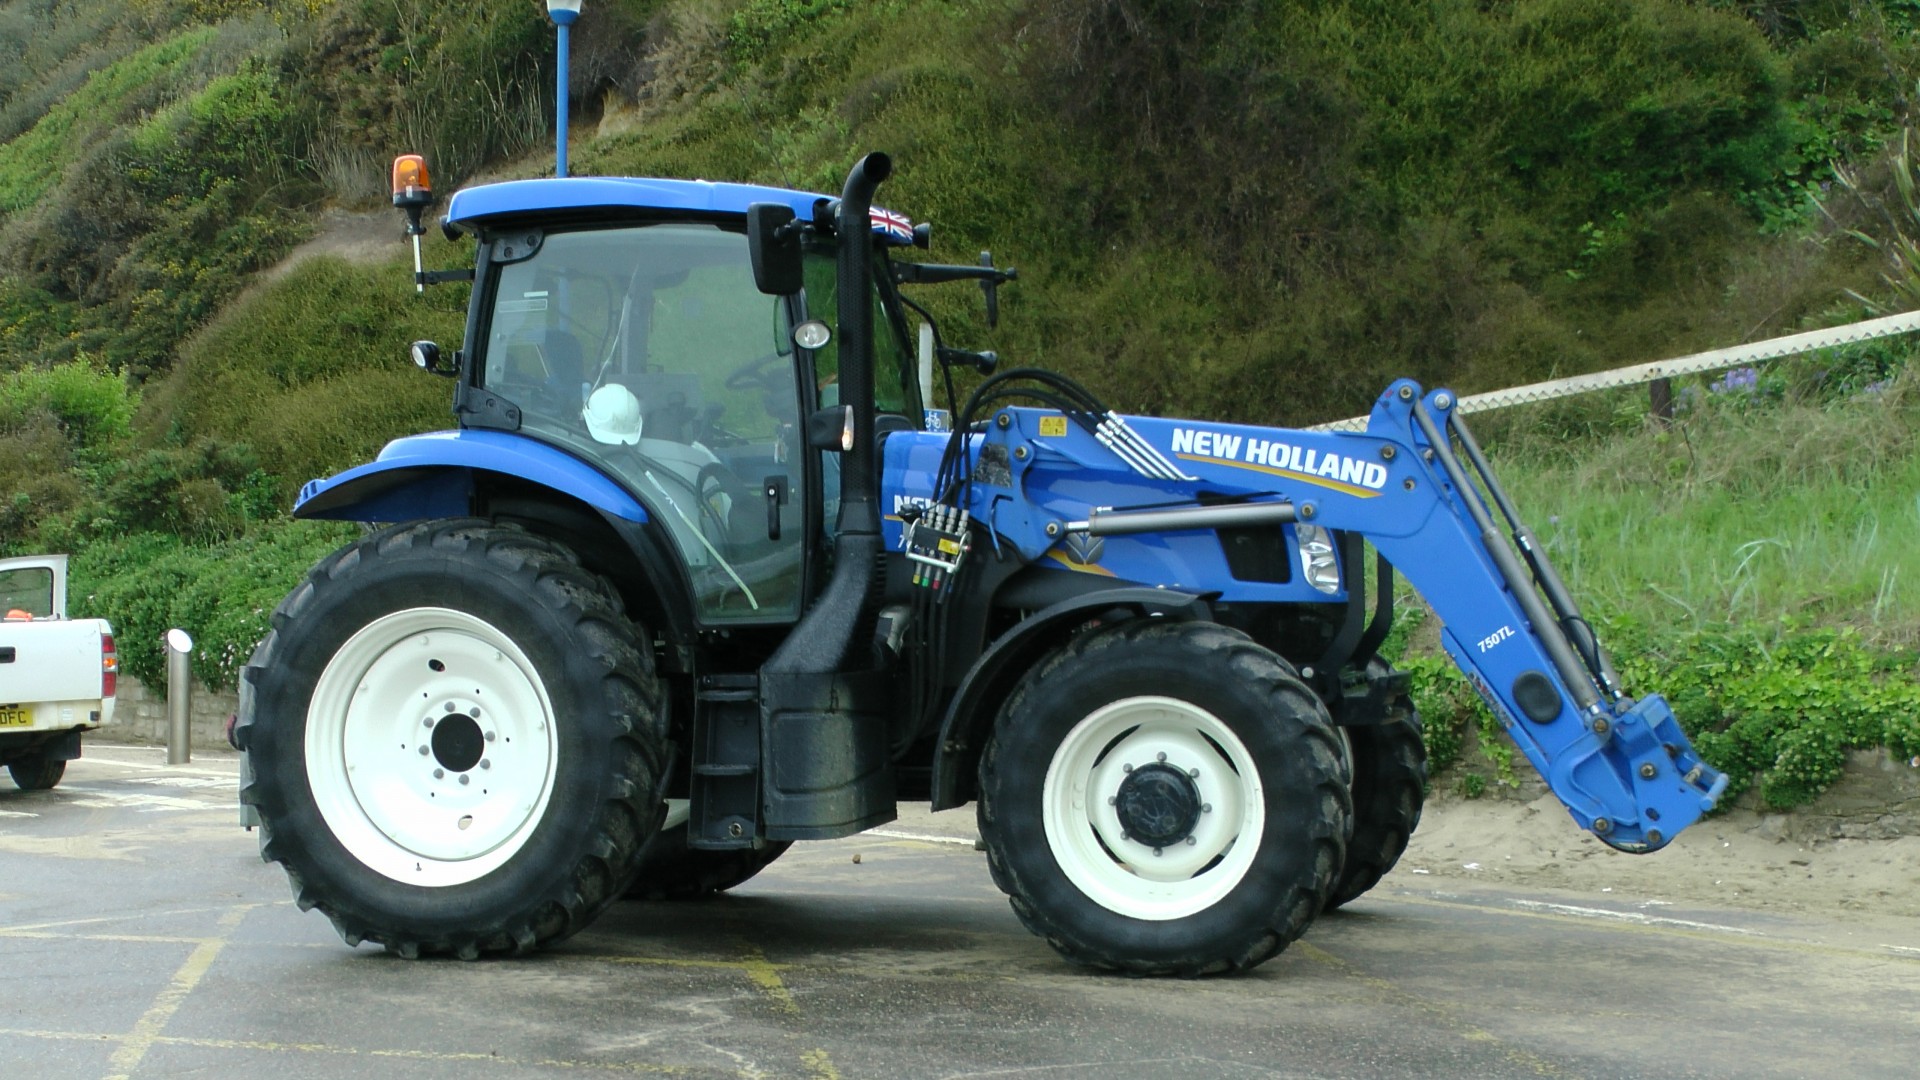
[514, 198]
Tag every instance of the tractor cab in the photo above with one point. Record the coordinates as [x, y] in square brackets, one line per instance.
[618, 323]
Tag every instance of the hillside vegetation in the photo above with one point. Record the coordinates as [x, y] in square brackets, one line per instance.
[1259, 211]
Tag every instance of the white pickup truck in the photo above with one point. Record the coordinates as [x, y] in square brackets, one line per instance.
[57, 674]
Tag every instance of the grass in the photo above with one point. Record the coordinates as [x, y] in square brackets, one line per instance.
[31, 163]
[311, 371]
[1792, 511]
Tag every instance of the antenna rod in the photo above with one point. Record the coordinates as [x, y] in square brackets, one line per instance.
[560, 106]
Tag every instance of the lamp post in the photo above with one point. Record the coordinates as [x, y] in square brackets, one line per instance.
[562, 12]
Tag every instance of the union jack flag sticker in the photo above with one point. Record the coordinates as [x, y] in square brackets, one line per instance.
[894, 228]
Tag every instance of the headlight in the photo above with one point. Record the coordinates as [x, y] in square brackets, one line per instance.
[1317, 561]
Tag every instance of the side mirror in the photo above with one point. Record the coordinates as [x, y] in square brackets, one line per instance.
[773, 243]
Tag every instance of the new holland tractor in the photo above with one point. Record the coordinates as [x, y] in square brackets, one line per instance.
[701, 573]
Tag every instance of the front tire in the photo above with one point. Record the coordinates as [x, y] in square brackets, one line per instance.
[36, 772]
[1389, 790]
[456, 739]
[1164, 799]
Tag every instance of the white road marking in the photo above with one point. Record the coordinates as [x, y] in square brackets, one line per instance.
[99, 799]
[16, 813]
[232, 782]
[1631, 917]
[896, 834]
[141, 766]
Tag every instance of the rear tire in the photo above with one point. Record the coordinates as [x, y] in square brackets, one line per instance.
[670, 870]
[1164, 799]
[36, 772]
[456, 739]
[1389, 790]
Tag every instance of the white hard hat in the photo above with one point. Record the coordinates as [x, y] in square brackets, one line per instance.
[613, 415]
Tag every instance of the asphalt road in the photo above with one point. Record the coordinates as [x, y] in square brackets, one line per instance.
[140, 936]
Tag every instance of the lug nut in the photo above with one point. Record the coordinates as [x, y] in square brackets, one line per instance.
[485, 764]
[439, 774]
[449, 706]
[1156, 853]
[489, 736]
[1648, 772]
[1194, 773]
[1126, 768]
[1192, 840]
[423, 751]
[465, 779]
[428, 721]
[1161, 756]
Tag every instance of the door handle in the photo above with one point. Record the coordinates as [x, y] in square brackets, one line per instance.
[776, 491]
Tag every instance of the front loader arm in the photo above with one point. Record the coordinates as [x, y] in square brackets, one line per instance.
[1623, 767]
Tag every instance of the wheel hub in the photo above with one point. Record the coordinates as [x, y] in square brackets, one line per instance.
[1158, 805]
[457, 741]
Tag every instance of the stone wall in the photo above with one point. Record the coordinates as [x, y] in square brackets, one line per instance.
[140, 716]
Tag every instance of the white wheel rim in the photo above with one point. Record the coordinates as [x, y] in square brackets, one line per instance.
[416, 808]
[1084, 830]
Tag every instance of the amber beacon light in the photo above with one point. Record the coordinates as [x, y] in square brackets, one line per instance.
[413, 193]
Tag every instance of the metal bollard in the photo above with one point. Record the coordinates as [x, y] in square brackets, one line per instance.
[179, 697]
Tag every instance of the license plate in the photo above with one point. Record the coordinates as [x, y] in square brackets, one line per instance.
[15, 716]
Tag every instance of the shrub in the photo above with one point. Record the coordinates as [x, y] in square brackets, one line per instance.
[31, 163]
[91, 407]
[148, 583]
[310, 370]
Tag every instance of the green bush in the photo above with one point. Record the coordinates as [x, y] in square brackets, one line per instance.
[148, 583]
[92, 407]
[1776, 708]
[310, 371]
[31, 163]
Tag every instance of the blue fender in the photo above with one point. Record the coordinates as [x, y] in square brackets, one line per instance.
[429, 476]
[970, 715]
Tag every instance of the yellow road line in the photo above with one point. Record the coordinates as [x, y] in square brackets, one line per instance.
[141, 1039]
[638, 1067]
[149, 939]
[819, 1066]
[766, 976]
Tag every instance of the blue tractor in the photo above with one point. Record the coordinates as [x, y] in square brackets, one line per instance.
[701, 572]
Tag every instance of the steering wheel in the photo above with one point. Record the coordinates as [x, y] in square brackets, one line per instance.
[753, 373]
